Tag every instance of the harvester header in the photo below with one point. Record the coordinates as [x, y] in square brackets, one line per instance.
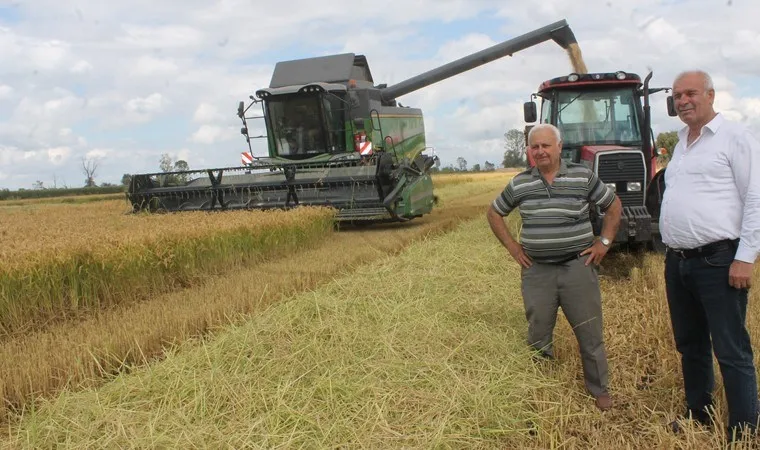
[334, 138]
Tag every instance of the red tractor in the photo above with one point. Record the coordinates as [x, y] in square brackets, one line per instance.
[605, 124]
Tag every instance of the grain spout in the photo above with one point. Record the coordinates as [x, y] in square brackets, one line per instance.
[576, 59]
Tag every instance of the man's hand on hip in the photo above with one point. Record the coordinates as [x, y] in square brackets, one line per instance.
[597, 252]
[740, 274]
[519, 255]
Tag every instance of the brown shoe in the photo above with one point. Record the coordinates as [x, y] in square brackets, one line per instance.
[604, 402]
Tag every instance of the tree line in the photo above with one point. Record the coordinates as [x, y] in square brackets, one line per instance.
[89, 168]
[514, 156]
[515, 152]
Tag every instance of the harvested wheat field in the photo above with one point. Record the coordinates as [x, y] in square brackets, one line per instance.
[433, 357]
[395, 337]
[78, 349]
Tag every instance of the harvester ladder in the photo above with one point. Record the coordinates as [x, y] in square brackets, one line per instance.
[379, 128]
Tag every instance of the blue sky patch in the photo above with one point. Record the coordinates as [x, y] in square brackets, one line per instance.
[10, 15]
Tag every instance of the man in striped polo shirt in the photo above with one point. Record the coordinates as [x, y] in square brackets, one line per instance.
[558, 251]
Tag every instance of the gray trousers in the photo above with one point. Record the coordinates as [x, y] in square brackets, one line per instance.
[574, 287]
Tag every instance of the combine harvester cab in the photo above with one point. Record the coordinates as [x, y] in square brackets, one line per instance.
[334, 139]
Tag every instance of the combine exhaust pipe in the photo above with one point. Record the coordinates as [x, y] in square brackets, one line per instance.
[559, 32]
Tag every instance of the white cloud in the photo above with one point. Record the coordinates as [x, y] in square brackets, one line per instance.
[742, 51]
[81, 66]
[211, 134]
[47, 55]
[141, 78]
[5, 91]
[661, 32]
[58, 155]
[99, 153]
[142, 109]
[166, 37]
[9, 155]
[751, 107]
[206, 112]
[149, 104]
[152, 66]
[477, 124]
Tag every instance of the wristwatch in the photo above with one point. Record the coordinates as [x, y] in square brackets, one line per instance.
[605, 242]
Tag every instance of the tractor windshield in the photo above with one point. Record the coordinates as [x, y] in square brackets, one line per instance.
[599, 117]
[305, 125]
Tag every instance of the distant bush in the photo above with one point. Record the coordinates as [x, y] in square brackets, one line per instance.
[6, 194]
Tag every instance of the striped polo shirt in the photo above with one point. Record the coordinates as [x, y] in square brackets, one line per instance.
[556, 223]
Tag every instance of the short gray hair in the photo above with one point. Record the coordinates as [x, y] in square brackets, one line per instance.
[545, 126]
[706, 76]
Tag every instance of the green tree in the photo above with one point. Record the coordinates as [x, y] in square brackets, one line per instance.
[165, 163]
[126, 179]
[489, 166]
[668, 141]
[179, 166]
[462, 164]
[514, 145]
[476, 168]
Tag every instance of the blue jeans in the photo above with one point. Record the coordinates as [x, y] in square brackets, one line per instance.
[703, 305]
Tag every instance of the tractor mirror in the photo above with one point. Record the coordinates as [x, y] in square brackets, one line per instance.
[241, 109]
[529, 111]
[671, 107]
[244, 131]
[359, 123]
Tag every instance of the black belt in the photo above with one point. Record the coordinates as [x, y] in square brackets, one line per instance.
[705, 250]
[566, 259]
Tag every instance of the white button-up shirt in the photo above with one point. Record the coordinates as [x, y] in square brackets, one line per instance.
[712, 189]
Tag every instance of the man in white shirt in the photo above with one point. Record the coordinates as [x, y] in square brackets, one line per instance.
[710, 222]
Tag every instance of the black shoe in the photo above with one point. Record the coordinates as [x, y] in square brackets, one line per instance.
[701, 417]
[542, 356]
[737, 434]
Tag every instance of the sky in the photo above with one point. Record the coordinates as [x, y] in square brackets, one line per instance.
[124, 82]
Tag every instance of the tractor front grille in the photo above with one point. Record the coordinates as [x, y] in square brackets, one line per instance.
[621, 168]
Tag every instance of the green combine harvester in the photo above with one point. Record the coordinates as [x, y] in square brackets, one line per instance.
[335, 139]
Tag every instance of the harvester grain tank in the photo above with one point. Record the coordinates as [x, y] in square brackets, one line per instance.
[334, 138]
[605, 122]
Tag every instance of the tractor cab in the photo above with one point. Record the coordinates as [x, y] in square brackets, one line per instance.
[601, 117]
[605, 124]
[597, 112]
